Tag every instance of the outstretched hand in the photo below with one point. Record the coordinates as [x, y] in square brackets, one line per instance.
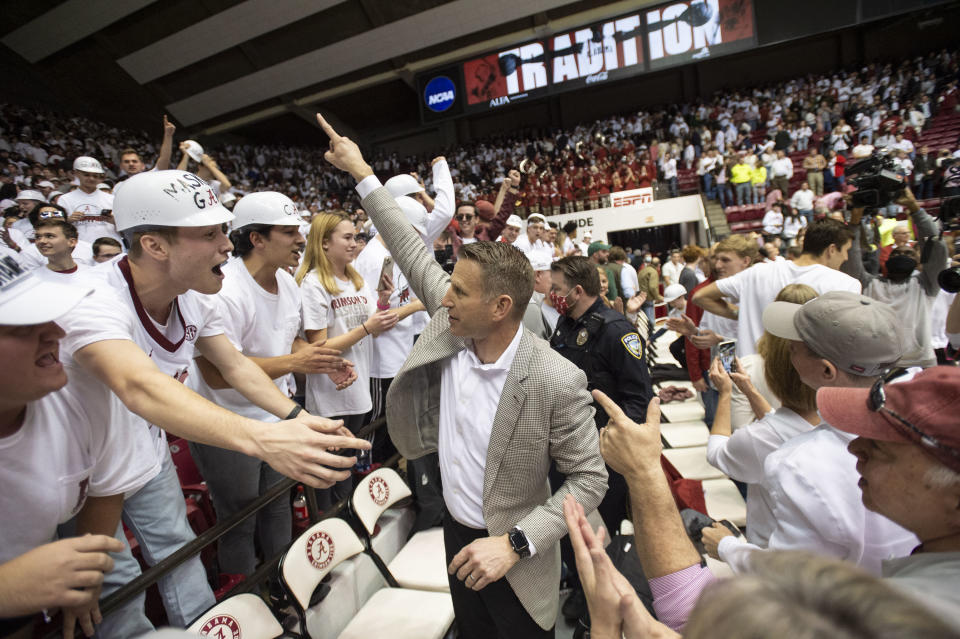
[627, 447]
[344, 153]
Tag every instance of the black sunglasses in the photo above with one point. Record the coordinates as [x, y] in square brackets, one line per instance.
[878, 397]
[465, 217]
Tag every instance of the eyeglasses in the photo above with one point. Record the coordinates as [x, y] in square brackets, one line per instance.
[878, 397]
[466, 217]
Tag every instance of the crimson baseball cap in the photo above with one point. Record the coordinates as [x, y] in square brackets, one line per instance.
[859, 335]
[930, 402]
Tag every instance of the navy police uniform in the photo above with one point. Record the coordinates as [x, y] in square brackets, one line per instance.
[605, 346]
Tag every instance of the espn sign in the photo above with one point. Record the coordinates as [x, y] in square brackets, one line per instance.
[634, 197]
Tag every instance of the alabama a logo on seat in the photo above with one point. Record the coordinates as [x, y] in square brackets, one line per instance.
[221, 627]
[379, 491]
[320, 550]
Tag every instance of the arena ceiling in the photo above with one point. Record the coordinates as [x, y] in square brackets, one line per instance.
[225, 65]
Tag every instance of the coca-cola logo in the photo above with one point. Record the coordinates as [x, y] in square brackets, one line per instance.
[379, 491]
[320, 550]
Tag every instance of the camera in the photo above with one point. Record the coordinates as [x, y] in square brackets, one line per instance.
[877, 179]
[444, 257]
[949, 279]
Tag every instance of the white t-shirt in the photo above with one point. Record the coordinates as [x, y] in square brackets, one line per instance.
[93, 225]
[339, 313]
[258, 324]
[756, 287]
[523, 243]
[388, 351]
[65, 451]
[31, 258]
[741, 457]
[114, 311]
[773, 223]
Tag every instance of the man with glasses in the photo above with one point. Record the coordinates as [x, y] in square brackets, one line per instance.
[907, 448]
[844, 340]
[532, 239]
[467, 213]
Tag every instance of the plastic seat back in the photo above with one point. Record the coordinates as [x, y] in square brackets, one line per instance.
[375, 493]
[244, 615]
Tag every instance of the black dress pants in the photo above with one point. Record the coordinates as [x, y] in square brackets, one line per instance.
[495, 611]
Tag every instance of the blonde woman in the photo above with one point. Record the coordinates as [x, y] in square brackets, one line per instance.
[741, 454]
[339, 307]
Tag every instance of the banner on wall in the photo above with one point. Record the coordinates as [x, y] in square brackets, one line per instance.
[642, 198]
[602, 222]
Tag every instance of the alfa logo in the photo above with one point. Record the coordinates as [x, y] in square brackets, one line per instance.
[320, 550]
[221, 627]
[379, 491]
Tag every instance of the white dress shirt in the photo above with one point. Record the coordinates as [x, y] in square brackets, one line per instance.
[469, 397]
[812, 482]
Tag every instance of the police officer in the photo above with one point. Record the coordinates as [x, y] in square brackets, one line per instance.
[605, 346]
[598, 339]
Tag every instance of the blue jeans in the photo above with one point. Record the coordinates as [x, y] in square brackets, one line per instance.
[157, 516]
[647, 308]
[710, 399]
[807, 214]
[709, 187]
[744, 193]
[672, 187]
[724, 194]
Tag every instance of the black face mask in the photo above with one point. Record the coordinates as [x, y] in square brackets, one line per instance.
[900, 266]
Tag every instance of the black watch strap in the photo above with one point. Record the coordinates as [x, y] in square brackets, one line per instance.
[519, 543]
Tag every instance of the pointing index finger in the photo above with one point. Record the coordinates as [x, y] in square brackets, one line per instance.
[334, 136]
[609, 406]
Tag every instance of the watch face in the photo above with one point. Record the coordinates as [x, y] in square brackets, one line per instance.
[519, 542]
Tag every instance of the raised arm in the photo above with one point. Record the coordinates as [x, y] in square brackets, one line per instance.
[709, 298]
[509, 201]
[166, 147]
[854, 264]
[427, 279]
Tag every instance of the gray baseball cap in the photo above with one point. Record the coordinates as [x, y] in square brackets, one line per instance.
[860, 335]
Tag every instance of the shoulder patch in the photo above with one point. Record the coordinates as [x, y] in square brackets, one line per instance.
[633, 344]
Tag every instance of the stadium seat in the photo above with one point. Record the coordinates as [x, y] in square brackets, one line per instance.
[397, 613]
[243, 615]
[685, 434]
[724, 501]
[692, 463]
[421, 563]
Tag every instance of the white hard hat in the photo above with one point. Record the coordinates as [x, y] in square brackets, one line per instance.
[46, 184]
[27, 299]
[515, 221]
[403, 184]
[167, 198]
[540, 260]
[103, 187]
[674, 291]
[87, 164]
[266, 207]
[31, 195]
[415, 212]
[194, 150]
[227, 198]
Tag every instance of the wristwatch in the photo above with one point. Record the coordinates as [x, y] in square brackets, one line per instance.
[519, 543]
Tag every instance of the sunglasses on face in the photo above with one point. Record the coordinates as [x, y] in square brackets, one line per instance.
[465, 217]
[878, 397]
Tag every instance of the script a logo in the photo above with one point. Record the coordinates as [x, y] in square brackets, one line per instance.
[320, 550]
[379, 491]
[221, 627]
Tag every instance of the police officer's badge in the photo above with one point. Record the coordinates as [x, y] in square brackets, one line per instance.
[582, 337]
[634, 344]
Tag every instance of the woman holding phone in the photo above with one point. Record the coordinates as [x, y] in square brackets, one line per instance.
[740, 455]
[341, 309]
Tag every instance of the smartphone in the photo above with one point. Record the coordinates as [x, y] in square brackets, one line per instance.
[727, 352]
[386, 269]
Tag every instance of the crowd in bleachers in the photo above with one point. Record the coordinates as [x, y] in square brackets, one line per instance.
[749, 344]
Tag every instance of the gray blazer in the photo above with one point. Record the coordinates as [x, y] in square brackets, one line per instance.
[545, 414]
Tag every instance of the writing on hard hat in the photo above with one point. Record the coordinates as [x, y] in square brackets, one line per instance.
[87, 164]
[266, 207]
[167, 198]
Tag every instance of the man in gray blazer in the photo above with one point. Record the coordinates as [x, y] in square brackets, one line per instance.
[499, 405]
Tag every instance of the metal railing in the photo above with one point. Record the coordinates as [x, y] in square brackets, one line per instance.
[139, 585]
